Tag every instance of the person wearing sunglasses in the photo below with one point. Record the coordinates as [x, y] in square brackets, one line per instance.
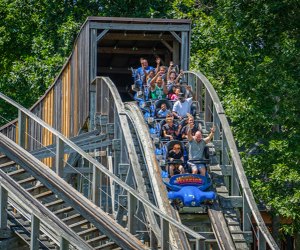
[175, 159]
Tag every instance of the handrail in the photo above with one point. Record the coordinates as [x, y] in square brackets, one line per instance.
[50, 220]
[236, 159]
[121, 112]
[75, 199]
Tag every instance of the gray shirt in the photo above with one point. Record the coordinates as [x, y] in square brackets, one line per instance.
[196, 149]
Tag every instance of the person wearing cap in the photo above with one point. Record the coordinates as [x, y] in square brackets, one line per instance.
[182, 107]
[196, 149]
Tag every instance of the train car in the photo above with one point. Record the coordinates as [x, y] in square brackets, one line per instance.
[184, 188]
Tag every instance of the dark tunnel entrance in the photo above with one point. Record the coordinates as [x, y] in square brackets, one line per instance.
[120, 49]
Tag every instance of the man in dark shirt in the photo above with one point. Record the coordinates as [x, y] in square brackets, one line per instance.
[170, 129]
[190, 124]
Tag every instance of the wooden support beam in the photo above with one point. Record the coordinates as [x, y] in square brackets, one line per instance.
[101, 35]
[176, 52]
[110, 128]
[261, 241]
[246, 215]
[116, 144]
[200, 244]
[235, 183]
[92, 108]
[217, 124]
[83, 170]
[231, 201]
[225, 156]
[112, 183]
[93, 54]
[165, 240]
[140, 27]
[176, 36]
[184, 51]
[21, 128]
[137, 37]
[35, 231]
[153, 241]
[3, 206]
[226, 170]
[132, 202]
[167, 45]
[68, 150]
[208, 106]
[96, 186]
[133, 50]
[59, 158]
[64, 244]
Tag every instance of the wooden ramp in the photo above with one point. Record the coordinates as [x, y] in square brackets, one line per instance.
[26, 179]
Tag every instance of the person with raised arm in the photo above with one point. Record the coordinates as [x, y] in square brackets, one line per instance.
[143, 71]
[196, 149]
[158, 89]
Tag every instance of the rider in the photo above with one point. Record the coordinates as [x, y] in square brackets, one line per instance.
[142, 72]
[175, 155]
[196, 149]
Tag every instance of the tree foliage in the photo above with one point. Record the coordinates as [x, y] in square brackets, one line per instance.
[250, 52]
[37, 36]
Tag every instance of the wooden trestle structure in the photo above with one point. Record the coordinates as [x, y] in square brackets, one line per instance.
[79, 167]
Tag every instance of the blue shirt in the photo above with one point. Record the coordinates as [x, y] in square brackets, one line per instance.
[140, 74]
[162, 113]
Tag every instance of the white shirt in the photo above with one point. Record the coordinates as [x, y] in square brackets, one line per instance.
[182, 108]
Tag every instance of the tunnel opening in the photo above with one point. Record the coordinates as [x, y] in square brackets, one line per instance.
[120, 51]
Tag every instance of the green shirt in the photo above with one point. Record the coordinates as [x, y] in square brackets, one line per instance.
[157, 93]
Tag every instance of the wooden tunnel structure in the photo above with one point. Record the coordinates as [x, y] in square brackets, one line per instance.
[105, 47]
[111, 148]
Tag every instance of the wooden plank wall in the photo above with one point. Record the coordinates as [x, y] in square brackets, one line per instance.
[47, 116]
[65, 105]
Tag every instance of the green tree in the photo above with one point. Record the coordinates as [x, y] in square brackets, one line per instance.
[37, 36]
[250, 52]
